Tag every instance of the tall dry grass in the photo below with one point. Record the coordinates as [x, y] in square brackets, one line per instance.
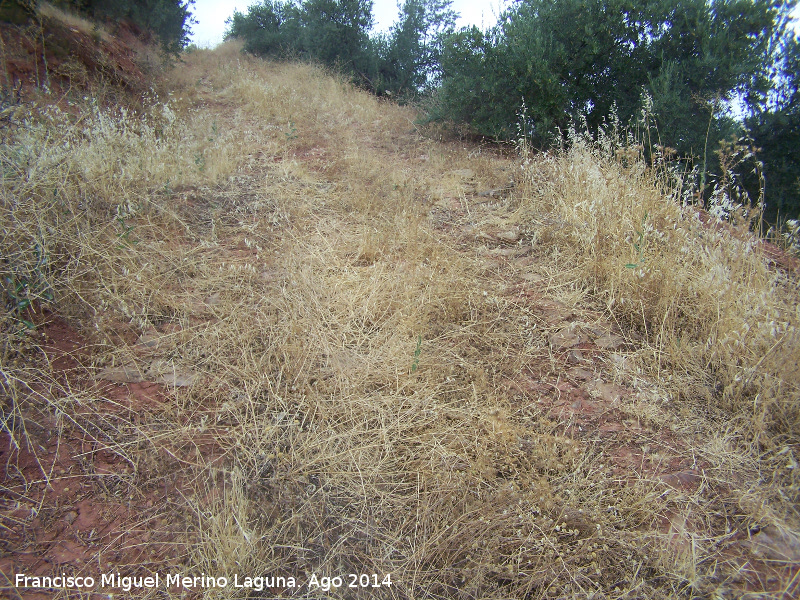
[722, 326]
[353, 413]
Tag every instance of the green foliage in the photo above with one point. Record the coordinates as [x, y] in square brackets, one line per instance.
[682, 63]
[417, 353]
[775, 129]
[477, 86]
[413, 48]
[589, 58]
[561, 58]
[336, 33]
[264, 29]
[26, 283]
[333, 32]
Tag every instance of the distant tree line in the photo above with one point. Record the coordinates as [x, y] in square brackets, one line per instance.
[550, 63]
[337, 33]
[682, 61]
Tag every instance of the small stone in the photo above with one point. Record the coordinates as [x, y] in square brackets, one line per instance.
[581, 374]
[165, 373]
[149, 340]
[576, 357]
[70, 517]
[684, 479]
[533, 278]
[578, 404]
[565, 339]
[773, 544]
[123, 374]
[554, 311]
[609, 341]
[609, 392]
[511, 236]
[177, 379]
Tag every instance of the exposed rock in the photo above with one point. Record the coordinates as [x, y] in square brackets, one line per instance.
[684, 479]
[149, 340]
[554, 311]
[123, 374]
[493, 193]
[177, 379]
[597, 329]
[581, 374]
[576, 357]
[153, 339]
[610, 341]
[773, 544]
[166, 373]
[565, 339]
[504, 252]
[511, 236]
[533, 278]
[610, 392]
[158, 372]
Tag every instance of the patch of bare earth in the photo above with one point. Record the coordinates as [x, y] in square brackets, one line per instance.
[73, 501]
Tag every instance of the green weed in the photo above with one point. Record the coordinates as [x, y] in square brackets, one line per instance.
[639, 246]
[417, 353]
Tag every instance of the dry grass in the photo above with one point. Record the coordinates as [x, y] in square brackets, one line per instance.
[74, 21]
[355, 413]
[722, 326]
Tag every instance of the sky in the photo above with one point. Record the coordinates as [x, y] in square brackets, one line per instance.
[211, 15]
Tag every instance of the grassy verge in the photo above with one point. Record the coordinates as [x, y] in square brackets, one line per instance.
[722, 327]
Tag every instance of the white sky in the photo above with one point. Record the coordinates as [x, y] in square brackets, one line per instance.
[211, 15]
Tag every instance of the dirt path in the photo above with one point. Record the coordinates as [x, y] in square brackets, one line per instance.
[356, 355]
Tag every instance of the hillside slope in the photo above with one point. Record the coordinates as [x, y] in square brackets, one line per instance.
[266, 326]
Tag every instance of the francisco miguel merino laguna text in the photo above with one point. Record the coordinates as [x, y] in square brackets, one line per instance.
[127, 583]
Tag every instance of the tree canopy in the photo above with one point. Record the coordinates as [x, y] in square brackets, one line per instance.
[337, 33]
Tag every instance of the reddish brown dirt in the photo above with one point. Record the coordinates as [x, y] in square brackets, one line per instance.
[578, 394]
[60, 58]
[68, 503]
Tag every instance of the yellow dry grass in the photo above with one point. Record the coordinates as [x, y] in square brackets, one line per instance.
[72, 20]
[722, 326]
[361, 345]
